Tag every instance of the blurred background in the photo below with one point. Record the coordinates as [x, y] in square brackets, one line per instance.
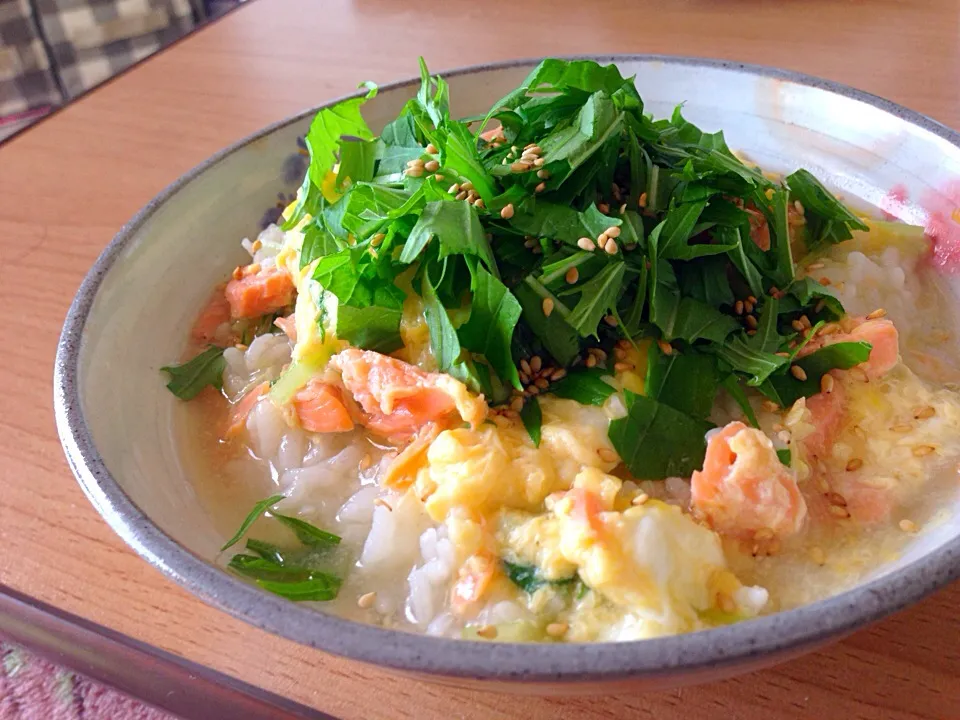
[52, 51]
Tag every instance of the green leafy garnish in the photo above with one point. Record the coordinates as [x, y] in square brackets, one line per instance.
[318, 587]
[656, 441]
[188, 379]
[457, 228]
[585, 385]
[532, 418]
[286, 573]
[306, 533]
[787, 389]
[528, 578]
[265, 550]
[327, 129]
[828, 220]
[259, 509]
[686, 382]
[580, 223]
[493, 317]
[443, 336]
[598, 296]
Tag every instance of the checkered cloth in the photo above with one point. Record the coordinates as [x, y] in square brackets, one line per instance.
[91, 40]
[26, 79]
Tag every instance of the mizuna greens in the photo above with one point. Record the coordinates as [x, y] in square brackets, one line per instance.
[570, 219]
[293, 574]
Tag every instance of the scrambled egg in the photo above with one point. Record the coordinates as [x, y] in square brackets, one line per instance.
[652, 568]
[497, 466]
[656, 565]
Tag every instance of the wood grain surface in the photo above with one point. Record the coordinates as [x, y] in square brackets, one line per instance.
[68, 184]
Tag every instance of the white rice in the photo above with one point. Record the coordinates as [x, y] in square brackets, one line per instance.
[887, 281]
[271, 242]
[263, 361]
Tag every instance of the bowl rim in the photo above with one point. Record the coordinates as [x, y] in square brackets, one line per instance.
[718, 649]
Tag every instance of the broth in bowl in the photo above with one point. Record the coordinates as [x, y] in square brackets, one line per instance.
[567, 373]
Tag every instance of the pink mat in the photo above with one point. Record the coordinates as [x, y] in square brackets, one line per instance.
[33, 689]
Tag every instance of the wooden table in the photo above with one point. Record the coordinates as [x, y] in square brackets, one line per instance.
[69, 183]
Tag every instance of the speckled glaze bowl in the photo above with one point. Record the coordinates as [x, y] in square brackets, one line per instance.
[133, 310]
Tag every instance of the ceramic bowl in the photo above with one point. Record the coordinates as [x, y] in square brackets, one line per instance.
[132, 311]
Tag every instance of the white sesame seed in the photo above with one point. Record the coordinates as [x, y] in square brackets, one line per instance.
[835, 498]
[557, 629]
[488, 632]
[826, 384]
[607, 455]
[924, 413]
